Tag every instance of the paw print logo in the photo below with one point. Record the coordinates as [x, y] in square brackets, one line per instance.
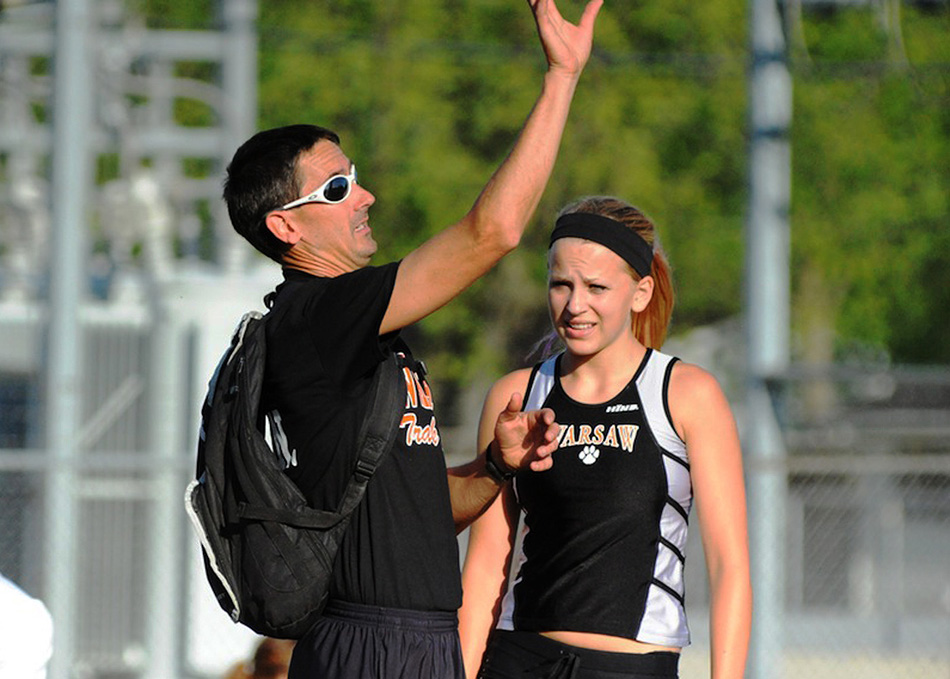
[589, 454]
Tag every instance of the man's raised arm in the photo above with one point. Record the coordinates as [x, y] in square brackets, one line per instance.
[439, 269]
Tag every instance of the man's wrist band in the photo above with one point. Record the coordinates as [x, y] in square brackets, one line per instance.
[493, 470]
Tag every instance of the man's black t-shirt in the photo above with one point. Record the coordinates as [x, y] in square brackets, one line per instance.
[323, 345]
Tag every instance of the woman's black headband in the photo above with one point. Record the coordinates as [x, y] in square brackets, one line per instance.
[608, 232]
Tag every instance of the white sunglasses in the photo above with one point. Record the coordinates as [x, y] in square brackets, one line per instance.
[334, 190]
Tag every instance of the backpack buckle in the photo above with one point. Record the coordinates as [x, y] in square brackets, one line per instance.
[364, 470]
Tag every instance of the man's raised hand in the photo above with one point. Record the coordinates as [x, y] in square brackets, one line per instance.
[526, 439]
[566, 46]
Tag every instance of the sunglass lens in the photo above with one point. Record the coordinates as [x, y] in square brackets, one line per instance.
[337, 189]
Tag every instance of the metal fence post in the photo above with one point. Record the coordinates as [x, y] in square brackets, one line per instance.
[767, 308]
[71, 177]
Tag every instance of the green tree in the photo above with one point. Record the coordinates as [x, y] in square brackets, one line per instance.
[428, 97]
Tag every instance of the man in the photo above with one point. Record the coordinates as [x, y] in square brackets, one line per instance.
[292, 192]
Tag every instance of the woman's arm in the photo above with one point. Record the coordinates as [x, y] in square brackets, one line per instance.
[485, 577]
[491, 537]
[704, 420]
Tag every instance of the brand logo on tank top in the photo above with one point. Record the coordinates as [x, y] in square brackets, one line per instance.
[622, 408]
[621, 436]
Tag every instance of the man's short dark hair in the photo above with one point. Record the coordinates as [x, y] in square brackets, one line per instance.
[262, 176]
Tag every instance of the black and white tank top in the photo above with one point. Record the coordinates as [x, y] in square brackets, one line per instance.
[604, 531]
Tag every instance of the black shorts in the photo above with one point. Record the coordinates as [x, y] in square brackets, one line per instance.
[370, 642]
[528, 655]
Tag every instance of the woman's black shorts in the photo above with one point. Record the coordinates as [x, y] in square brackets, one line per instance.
[528, 655]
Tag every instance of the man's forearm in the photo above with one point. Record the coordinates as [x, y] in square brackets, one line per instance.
[514, 191]
[471, 490]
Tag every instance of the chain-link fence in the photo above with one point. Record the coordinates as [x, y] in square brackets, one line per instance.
[865, 550]
[866, 534]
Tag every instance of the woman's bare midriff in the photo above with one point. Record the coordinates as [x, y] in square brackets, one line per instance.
[603, 642]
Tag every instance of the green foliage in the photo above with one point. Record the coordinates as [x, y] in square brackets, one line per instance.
[428, 97]
[871, 197]
[174, 14]
[847, 34]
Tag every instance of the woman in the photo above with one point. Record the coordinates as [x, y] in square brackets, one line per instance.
[598, 586]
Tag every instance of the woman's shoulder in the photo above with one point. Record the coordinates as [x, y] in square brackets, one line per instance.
[694, 392]
[688, 379]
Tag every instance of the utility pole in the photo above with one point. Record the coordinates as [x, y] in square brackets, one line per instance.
[239, 73]
[767, 309]
[72, 118]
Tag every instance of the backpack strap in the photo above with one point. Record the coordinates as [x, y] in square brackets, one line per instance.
[378, 431]
[377, 435]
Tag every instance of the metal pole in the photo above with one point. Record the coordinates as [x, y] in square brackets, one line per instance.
[767, 308]
[165, 578]
[71, 175]
[239, 68]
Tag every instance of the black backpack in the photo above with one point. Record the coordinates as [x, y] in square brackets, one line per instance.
[268, 555]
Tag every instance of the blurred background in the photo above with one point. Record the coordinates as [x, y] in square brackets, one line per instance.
[796, 157]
